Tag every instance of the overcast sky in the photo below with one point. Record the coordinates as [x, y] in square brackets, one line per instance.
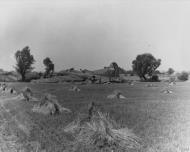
[93, 33]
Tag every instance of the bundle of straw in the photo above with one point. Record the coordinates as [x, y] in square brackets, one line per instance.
[26, 93]
[75, 89]
[49, 105]
[102, 132]
[116, 94]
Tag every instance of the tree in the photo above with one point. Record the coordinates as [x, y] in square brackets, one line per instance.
[116, 68]
[144, 65]
[157, 72]
[49, 67]
[184, 76]
[24, 61]
[109, 72]
[170, 71]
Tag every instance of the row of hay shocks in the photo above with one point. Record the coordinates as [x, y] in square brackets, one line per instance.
[115, 95]
[96, 130]
[118, 94]
[99, 131]
[131, 82]
[47, 104]
[165, 90]
[11, 143]
[154, 85]
[74, 89]
[5, 89]
[25, 93]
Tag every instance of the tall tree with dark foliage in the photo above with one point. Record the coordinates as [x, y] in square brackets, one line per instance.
[170, 71]
[49, 67]
[24, 61]
[145, 64]
[116, 69]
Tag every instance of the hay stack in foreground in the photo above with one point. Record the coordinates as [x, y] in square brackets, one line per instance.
[74, 88]
[101, 133]
[26, 94]
[116, 95]
[49, 105]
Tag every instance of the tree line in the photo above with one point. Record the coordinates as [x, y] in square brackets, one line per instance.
[144, 65]
[25, 60]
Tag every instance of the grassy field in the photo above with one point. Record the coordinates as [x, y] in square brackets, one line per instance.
[161, 120]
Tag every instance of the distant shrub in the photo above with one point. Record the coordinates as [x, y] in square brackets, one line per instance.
[130, 72]
[184, 76]
[32, 76]
[60, 74]
[71, 69]
[170, 71]
[155, 78]
[172, 79]
[49, 67]
[157, 72]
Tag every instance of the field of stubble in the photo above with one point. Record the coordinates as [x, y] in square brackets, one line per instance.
[161, 120]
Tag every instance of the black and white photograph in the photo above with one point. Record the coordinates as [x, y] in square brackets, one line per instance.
[94, 76]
